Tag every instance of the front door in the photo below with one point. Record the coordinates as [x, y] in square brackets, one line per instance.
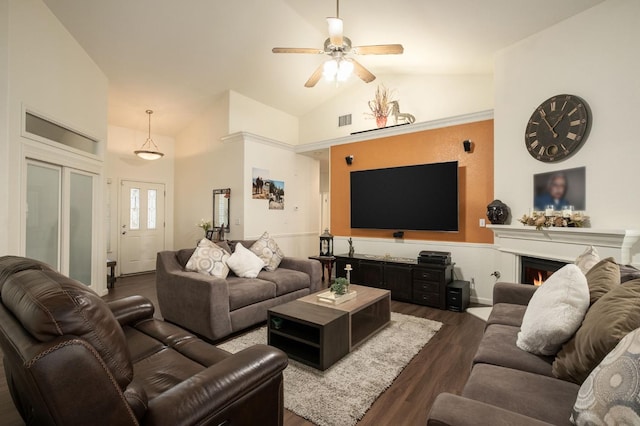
[141, 225]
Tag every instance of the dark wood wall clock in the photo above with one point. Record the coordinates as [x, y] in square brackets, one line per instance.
[557, 128]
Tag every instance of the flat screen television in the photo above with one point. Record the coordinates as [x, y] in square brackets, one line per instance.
[419, 198]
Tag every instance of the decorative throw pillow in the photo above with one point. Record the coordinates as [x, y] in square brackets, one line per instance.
[244, 263]
[611, 318]
[267, 250]
[209, 259]
[610, 393]
[554, 312]
[601, 278]
[588, 259]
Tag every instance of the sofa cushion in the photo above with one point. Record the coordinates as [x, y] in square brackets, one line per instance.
[610, 393]
[555, 312]
[244, 263]
[612, 317]
[266, 249]
[604, 276]
[541, 397]
[507, 314]
[209, 259]
[247, 291]
[628, 273]
[286, 280]
[183, 256]
[49, 305]
[498, 347]
[587, 259]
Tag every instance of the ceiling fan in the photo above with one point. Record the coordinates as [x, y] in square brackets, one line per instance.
[338, 47]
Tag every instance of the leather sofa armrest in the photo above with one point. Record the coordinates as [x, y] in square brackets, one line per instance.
[450, 410]
[206, 394]
[131, 309]
[313, 268]
[517, 294]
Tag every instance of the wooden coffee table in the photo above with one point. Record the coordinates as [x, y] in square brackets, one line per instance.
[319, 334]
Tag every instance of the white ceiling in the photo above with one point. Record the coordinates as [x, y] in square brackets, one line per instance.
[175, 57]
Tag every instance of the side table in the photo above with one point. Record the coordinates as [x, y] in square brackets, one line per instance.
[111, 278]
[327, 262]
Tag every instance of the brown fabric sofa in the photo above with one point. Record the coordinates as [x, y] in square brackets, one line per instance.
[507, 385]
[72, 359]
[215, 307]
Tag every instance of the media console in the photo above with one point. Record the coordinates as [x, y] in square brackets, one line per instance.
[408, 280]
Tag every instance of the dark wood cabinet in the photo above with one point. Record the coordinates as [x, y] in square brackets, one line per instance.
[408, 280]
[398, 280]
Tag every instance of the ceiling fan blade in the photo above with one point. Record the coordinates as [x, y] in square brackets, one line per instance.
[315, 77]
[335, 31]
[379, 49]
[297, 50]
[364, 74]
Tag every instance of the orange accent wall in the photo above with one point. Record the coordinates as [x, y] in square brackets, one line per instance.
[475, 176]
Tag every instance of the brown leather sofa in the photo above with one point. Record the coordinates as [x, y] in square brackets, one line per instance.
[70, 358]
[216, 307]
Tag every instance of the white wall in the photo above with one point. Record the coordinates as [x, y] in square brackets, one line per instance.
[203, 164]
[122, 164]
[49, 72]
[247, 115]
[427, 97]
[4, 123]
[296, 227]
[593, 55]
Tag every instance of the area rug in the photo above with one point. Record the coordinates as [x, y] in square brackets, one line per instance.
[481, 312]
[343, 393]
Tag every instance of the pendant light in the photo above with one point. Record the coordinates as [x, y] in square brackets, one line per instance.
[149, 150]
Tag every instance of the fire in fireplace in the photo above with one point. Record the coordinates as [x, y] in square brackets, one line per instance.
[535, 270]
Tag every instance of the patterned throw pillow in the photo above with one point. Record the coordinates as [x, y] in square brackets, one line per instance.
[610, 395]
[209, 259]
[267, 250]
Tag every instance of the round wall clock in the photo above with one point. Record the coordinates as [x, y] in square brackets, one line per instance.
[557, 128]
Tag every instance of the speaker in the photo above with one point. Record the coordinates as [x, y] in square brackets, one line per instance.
[399, 234]
[458, 296]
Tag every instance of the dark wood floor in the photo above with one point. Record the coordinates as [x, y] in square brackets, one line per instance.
[443, 365]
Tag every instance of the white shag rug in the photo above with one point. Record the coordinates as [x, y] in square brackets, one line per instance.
[343, 393]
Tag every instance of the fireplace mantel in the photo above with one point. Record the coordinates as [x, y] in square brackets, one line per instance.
[564, 244]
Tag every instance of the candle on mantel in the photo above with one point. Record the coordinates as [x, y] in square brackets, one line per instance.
[548, 211]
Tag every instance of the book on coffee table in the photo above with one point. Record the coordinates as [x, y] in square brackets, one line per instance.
[331, 297]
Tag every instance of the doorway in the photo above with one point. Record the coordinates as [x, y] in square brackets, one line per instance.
[142, 225]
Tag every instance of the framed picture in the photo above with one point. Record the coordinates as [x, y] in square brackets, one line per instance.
[210, 234]
[559, 189]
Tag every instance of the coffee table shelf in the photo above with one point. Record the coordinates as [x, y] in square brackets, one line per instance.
[314, 335]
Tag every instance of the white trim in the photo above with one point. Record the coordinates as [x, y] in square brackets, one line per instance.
[397, 130]
[31, 136]
[246, 136]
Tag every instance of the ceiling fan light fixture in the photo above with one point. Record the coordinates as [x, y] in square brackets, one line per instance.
[345, 69]
[149, 150]
[335, 31]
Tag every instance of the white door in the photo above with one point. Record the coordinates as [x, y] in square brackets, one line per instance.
[60, 211]
[141, 225]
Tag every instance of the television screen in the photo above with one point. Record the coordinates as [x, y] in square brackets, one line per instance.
[419, 198]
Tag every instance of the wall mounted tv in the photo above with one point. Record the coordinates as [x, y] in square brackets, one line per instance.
[418, 198]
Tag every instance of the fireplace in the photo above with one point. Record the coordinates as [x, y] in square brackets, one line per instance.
[535, 271]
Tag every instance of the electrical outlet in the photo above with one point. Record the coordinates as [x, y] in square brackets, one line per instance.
[483, 223]
[472, 284]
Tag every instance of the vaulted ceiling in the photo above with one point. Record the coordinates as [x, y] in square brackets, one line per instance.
[176, 57]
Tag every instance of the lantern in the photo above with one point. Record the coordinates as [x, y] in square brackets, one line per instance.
[326, 243]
